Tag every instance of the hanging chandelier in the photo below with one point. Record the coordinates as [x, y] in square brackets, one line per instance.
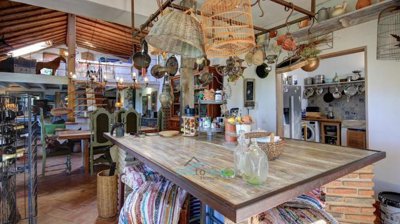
[227, 28]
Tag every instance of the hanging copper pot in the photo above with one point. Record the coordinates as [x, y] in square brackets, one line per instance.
[312, 64]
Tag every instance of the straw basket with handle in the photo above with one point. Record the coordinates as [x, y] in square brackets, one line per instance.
[272, 149]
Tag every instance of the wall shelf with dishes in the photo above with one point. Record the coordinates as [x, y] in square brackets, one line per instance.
[336, 84]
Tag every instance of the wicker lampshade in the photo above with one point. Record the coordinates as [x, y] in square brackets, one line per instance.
[227, 28]
[177, 33]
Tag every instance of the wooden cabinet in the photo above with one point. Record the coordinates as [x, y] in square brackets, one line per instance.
[205, 110]
[330, 132]
[356, 139]
[174, 124]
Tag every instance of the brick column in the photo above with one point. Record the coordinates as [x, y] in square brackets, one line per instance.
[350, 199]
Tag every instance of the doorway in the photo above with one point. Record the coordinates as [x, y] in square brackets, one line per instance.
[332, 108]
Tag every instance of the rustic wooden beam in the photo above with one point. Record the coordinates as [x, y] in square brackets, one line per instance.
[99, 44]
[54, 39]
[18, 9]
[105, 31]
[88, 37]
[99, 31]
[106, 43]
[8, 4]
[71, 43]
[119, 27]
[36, 37]
[17, 16]
[18, 39]
[295, 7]
[28, 20]
[105, 48]
[102, 50]
[93, 35]
[35, 29]
[13, 28]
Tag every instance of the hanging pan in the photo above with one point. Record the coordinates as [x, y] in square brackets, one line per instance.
[142, 59]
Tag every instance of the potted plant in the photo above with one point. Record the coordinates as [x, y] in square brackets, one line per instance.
[310, 54]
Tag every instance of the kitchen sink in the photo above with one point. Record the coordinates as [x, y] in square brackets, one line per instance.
[356, 124]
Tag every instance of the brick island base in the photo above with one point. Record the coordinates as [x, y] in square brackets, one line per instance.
[349, 199]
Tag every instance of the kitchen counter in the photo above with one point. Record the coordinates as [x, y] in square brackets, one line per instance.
[321, 119]
[302, 167]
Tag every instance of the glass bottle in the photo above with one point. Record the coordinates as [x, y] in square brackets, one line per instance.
[255, 165]
[239, 155]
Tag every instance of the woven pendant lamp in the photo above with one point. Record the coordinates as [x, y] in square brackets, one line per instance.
[227, 28]
[177, 33]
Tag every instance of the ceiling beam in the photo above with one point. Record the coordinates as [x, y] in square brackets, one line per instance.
[54, 39]
[36, 23]
[28, 19]
[35, 29]
[295, 7]
[16, 16]
[18, 9]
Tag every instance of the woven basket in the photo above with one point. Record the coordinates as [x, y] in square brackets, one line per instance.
[272, 149]
[177, 33]
[107, 195]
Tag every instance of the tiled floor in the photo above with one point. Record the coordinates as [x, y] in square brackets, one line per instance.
[65, 199]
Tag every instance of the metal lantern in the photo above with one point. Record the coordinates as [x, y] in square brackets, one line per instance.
[388, 46]
[177, 33]
[166, 97]
[227, 29]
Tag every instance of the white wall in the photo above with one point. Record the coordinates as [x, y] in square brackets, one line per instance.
[264, 112]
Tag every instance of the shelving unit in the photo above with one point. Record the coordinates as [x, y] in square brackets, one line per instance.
[353, 18]
[204, 109]
[328, 138]
[335, 84]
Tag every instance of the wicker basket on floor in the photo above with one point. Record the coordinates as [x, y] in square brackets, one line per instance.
[272, 149]
[107, 195]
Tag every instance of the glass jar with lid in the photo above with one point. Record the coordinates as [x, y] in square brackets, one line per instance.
[255, 170]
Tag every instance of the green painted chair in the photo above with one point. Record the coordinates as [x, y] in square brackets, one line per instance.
[100, 123]
[132, 120]
[118, 115]
[160, 124]
[51, 147]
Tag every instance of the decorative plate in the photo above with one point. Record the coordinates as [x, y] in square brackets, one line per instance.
[168, 133]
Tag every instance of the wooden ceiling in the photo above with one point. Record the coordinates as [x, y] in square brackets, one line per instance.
[22, 25]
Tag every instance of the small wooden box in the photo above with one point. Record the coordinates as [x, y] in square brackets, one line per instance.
[313, 114]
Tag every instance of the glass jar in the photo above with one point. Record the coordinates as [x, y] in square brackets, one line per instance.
[239, 155]
[255, 165]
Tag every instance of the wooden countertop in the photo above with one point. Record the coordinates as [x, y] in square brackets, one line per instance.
[302, 167]
[321, 119]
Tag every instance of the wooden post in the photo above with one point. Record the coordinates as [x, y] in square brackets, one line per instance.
[279, 105]
[187, 83]
[71, 42]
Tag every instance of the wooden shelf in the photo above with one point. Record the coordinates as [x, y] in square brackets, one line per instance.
[354, 18]
[212, 102]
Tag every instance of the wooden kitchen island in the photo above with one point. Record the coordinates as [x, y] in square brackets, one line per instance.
[302, 167]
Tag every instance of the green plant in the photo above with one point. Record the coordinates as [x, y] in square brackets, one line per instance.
[309, 52]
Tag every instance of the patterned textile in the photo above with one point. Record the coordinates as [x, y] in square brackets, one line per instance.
[154, 199]
[305, 209]
[135, 176]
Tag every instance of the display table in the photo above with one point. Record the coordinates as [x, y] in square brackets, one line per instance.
[302, 167]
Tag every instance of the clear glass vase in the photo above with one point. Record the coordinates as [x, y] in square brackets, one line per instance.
[239, 155]
[255, 165]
